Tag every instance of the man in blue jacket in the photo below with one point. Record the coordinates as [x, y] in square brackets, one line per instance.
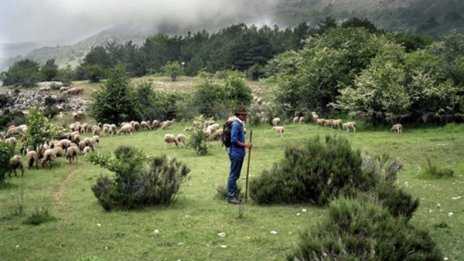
[236, 154]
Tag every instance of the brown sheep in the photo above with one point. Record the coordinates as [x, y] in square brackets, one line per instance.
[71, 154]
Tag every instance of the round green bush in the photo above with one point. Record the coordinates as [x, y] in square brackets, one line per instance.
[363, 230]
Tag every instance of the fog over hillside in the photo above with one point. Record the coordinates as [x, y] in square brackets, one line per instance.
[58, 22]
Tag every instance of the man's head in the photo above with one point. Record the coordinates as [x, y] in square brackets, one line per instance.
[241, 113]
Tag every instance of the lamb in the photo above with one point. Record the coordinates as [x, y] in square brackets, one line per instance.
[15, 163]
[398, 128]
[349, 125]
[181, 138]
[86, 150]
[276, 121]
[170, 138]
[279, 130]
[32, 158]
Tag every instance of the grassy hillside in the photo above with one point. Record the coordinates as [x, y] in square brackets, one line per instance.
[188, 229]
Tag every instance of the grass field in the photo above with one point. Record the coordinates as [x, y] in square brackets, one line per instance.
[188, 229]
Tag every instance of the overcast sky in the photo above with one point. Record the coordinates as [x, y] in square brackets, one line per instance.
[53, 22]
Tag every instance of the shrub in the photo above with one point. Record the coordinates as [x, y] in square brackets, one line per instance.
[396, 200]
[6, 152]
[315, 172]
[363, 230]
[39, 216]
[198, 139]
[40, 128]
[138, 181]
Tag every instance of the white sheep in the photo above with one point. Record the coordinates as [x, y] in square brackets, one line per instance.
[296, 119]
[95, 140]
[170, 138]
[301, 120]
[276, 121]
[279, 130]
[15, 163]
[337, 123]
[71, 153]
[145, 125]
[126, 129]
[349, 125]
[398, 128]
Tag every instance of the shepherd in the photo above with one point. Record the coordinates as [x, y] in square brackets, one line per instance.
[236, 154]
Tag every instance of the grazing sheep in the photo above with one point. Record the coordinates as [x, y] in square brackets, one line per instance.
[15, 163]
[73, 91]
[181, 138]
[145, 125]
[126, 129]
[59, 152]
[48, 157]
[71, 153]
[32, 158]
[96, 130]
[295, 119]
[349, 125]
[95, 140]
[217, 134]
[166, 124]
[279, 130]
[45, 89]
[155, 124]
[86, 150]
[13, 130]
[320, 122]
[337, 124]
[276, 121]
[213, 127]
[11, 140]
[170, 138]
[301, 120]
[398, 128]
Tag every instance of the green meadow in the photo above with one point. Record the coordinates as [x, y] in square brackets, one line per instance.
[189, 228]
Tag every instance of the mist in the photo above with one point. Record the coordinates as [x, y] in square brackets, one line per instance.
[58, 22]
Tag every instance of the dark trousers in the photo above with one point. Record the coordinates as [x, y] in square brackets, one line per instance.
[235, 168]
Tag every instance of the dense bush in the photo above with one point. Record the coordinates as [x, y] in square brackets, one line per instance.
[315, 172]
[9, 118]
[363, 230]
[138, 181]
[6, 152]
[318, 172]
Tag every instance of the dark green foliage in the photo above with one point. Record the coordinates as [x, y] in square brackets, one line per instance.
[39, 216]
[363, 230]
[209, 97]
[39, 128]
[114, 102]
[139, 180]
[432, 171]
[6, 152]
[94, 72]
[237, 92]
[24, 73]
[49, 70]
[9, 118]
[412, 41]
[315, 172]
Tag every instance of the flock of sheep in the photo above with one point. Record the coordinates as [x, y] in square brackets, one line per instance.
[70, 144]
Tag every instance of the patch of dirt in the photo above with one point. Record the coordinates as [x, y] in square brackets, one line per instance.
[58, 196]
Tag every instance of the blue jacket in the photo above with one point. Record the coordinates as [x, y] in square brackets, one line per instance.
[237, 134]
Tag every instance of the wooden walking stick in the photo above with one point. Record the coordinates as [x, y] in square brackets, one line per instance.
[248, 169]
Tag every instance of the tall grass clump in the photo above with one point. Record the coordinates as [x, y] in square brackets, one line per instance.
[363, 230]
[138, 180]
[39, 216]
[432, 171]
